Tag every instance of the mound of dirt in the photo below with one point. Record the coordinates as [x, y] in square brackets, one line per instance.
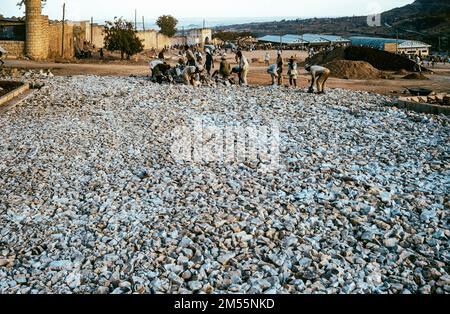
[401, 72]
[357, 70]
[415, 76]
[381, 60]
[323, 58]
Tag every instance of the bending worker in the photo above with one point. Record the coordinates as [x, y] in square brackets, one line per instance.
[319, 76]
[273, 71]
[188, 75]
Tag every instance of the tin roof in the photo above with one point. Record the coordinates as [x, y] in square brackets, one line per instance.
[379, 42]
[291, 39]
[11, 21]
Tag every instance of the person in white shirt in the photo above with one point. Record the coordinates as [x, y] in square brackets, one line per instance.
[243, 68]
[418, 64]
[319, 76]
[267, 59]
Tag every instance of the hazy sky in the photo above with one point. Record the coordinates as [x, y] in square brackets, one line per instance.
[107, 9]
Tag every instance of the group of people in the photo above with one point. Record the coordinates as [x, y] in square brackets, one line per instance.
[195, 68]
[319, 74]
[276, 70]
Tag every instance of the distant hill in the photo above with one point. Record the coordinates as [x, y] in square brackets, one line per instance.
[425, 20]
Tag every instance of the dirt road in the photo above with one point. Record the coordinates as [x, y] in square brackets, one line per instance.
[439, 81]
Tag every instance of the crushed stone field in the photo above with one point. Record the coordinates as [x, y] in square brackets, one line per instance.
[93, 200]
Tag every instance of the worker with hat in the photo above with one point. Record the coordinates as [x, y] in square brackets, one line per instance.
[225, 68]
[292, 72]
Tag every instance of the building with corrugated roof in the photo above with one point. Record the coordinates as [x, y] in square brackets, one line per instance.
[401, 46]
[305, 40]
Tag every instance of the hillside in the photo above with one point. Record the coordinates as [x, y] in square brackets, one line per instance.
[425, 20]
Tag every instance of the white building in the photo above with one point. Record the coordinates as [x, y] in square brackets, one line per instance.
[401, 46]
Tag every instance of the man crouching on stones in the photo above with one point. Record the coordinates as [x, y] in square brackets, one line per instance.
[191, 75]
[319, 76]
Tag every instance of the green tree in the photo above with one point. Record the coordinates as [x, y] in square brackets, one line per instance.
[167, 25]
[22, 2]
[121, 36]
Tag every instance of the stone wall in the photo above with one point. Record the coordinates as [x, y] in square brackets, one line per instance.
[36, 38]
[151, 38]
[55, 43]
[178, 41]
[45, 37]
[14, 49]
[154, 40]
[97, 36]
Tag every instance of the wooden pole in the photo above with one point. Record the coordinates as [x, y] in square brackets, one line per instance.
[143, 24]
[92, 30]
[135, 20]
[63, 22]
[396, 44]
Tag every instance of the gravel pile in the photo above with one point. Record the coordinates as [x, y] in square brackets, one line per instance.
[92, 200]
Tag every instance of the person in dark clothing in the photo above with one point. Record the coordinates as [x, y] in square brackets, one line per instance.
[190, 56]
[224, 71]
[1, 56]
[209, 61]
[102, 55]
[160, 71]
[161, 55]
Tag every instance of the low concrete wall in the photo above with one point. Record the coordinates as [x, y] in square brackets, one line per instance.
[14, 49]
[405, 103]
[13, 94]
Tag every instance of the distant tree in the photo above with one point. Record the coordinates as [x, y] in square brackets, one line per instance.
[167, 25]
[121, 36]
